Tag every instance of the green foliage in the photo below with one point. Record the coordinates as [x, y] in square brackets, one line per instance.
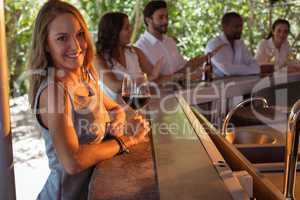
[195, 22]
[93, 10]
[192, 22]
[19, 16]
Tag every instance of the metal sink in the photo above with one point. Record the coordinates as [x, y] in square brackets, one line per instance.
[262, 147]
[244, 137]
[266, 158]
[269, 153]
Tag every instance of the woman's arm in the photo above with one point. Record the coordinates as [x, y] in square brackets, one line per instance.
[119, 116]
[291, 61]
[58, 119]
[261, 55]
[147, 67]
[140, 124]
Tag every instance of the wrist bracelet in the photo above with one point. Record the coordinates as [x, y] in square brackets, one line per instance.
[108, 135]
[123, 148]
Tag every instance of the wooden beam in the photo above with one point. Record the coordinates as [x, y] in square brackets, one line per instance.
[7, 181]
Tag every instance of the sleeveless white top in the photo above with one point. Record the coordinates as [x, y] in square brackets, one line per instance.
[132, 64]
[132, 69]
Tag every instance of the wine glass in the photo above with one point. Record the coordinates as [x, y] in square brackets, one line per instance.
[272, 59]
[135, 91]
[136, 94]
[270, 65]
[126, 88]
[292, 55]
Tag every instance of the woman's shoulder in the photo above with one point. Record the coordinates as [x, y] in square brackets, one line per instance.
[136, 50]
[98, 59]
[131, 48]
[263, 41]
[100, 62]
[56, 88]
[263, 44]
[53, 96]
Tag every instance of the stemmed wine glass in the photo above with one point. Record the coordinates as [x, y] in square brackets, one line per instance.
[135, 91]
[272, 59]
[292, 55]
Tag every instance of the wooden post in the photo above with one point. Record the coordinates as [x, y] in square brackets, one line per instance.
[7, 181]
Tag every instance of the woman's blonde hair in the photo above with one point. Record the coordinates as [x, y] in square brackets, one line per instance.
[39, 59]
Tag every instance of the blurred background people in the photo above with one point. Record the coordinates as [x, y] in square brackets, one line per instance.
[234, 58]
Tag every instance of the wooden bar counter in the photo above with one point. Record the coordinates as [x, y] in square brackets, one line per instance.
[173, 165]
[127, 176]
[176, 163]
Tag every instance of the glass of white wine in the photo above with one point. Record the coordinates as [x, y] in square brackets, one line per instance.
[292, 55]
[272, 57]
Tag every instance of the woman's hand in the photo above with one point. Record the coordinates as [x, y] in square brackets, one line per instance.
[118, 124]
[138, 127]
[117, 128]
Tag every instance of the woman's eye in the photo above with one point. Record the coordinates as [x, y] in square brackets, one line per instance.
[62, 38]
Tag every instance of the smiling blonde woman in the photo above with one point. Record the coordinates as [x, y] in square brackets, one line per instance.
[69, 107]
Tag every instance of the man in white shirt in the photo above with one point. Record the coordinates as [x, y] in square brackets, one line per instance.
[156, 44]
[234, 58]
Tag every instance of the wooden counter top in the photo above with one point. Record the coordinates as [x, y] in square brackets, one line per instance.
[126, 177]
[176, 166]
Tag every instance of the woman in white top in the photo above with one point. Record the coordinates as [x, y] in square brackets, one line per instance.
[115, 57]
[276, 50]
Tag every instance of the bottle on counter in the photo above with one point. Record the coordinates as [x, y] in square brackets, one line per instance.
[207, 70]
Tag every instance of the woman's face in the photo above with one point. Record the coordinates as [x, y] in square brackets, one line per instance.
[66, 42]
[280, 33]
[125, 33]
